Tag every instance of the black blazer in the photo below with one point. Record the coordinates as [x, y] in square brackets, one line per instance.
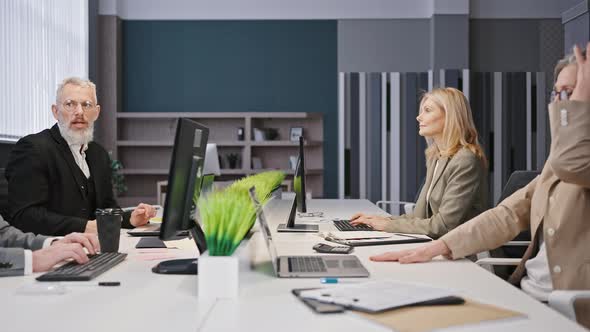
[46, 187]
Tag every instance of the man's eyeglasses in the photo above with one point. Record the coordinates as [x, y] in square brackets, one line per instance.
[72, 105]
[564, 94]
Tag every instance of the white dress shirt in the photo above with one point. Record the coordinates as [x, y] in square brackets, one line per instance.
[537, 283]
[29, 255]
[79, 153]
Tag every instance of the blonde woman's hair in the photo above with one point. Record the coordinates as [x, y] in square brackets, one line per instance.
[77, 82]
[459, 130]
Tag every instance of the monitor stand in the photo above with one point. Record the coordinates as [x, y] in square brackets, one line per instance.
[298, 228]
[186, 265]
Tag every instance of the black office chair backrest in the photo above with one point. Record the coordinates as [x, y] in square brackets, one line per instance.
[3, 195]
[517, 180]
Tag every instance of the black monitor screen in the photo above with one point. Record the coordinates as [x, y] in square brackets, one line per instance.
[299, 179]
[184, 179]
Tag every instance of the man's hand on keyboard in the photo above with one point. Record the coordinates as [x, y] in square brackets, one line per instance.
[88, 241]
[377, 222]
[46, 258]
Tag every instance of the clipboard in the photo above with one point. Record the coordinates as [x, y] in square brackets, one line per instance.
[380, 296]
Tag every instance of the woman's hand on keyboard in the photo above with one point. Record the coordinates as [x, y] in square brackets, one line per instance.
[378, 223]
[421, 254]
[44, 259]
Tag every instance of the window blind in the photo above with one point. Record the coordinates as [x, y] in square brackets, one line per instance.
[41, 43]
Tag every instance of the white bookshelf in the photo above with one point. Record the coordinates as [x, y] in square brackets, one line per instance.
[145, 140]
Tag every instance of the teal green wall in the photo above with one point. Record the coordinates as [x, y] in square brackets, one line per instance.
[235, 66]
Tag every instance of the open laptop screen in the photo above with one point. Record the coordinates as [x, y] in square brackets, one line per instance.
[265, 229]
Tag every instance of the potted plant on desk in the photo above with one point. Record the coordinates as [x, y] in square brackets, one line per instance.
[227, 216]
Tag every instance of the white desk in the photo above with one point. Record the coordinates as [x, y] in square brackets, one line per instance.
[151, 302]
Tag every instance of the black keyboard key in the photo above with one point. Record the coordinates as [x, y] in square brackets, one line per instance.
[346, 226]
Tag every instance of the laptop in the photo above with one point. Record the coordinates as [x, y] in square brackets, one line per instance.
[312, 266]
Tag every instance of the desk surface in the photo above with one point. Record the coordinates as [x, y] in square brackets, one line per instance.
[149, 302]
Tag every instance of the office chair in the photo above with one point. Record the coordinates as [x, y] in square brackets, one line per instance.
[407, 206]
[560, 300]
[512, 251]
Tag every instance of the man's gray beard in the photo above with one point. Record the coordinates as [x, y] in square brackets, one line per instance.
[79, 137]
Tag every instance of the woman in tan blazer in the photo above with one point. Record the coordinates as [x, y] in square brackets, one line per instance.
[455, 187]
[555, 206]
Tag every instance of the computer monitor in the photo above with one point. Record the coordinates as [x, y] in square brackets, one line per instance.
[299, 179]
[184, 187]
[298, 203]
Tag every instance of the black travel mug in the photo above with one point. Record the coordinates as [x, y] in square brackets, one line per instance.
[108, 223]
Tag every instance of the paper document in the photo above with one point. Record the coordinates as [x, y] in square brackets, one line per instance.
[376, 296]
[185, 243]
[357, 235]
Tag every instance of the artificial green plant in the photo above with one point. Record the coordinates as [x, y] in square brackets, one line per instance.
[228, 214]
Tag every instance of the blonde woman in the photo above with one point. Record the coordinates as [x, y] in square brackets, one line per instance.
[456, 170]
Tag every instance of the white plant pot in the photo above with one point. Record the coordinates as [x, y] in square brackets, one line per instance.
[218, 277]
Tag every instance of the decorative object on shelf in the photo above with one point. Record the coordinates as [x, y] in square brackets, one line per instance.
[240, 133]
[259, 135]
[117, 179]
[232, 160]
[295, 133]
[256, 163]
[271, 134]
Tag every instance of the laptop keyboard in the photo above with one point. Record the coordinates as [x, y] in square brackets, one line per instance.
[73, 271]
[346, 226]
[306, 264]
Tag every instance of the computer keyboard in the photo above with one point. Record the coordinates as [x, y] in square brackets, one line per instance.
[306, 264]
[73, 271]
[346, 226]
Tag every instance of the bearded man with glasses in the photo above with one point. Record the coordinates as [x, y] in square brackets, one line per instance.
[58, 178]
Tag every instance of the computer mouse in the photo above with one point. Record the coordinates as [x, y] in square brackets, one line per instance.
[177, 266]
[42, 288]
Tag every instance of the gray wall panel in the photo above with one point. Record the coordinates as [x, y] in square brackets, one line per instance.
[383, 45]
[504, 45]
[450, 45]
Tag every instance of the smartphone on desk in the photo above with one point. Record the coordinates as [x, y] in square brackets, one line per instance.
[328, 249]
[317, 306]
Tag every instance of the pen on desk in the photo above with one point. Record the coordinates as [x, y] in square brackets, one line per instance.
[336, 281]
[100, 283]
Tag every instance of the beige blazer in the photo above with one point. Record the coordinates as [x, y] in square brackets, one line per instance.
[458, 194]
[559, 198]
